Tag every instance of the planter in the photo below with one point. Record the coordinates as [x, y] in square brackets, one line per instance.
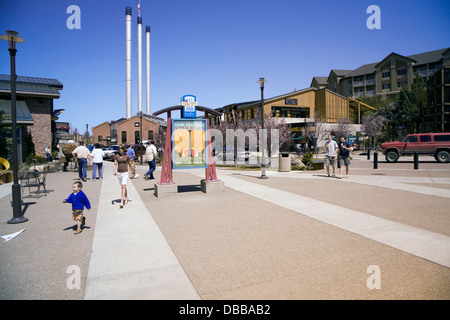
[317, 164]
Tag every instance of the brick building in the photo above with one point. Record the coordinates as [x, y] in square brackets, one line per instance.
[35, 112]
[127, 130]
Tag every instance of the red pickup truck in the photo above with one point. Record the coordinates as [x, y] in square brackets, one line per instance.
[436, 144]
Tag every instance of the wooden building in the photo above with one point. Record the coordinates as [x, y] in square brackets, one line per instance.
[299, 108]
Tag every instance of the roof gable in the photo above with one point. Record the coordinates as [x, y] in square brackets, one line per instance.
[393, 54]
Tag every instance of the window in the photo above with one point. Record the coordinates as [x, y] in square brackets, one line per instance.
[386, 75]
[401, 84]
[411, 139]
[425, 138]
[386, 86]
[150, 135]
[446, 94]
[442, 137]
[288, 112]
[124, 137]
[401, 72]
[447, 76]
[137, 137]
[100, 138]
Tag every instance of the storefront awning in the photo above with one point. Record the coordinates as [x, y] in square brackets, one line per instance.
[23, 115]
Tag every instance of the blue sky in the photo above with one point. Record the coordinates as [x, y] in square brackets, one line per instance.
[214, 49]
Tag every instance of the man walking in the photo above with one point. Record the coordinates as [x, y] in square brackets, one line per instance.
[151, 153]
[331, 148]
[81, 153]
[344, 156]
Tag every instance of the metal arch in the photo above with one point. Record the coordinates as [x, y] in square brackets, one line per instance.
[199, 108]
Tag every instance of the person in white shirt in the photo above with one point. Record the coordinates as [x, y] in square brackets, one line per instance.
[331, 148]
[151, 153]
[97, 155]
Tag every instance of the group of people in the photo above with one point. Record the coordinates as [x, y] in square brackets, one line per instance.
[337, 152]
[83, 156]
[123, 163]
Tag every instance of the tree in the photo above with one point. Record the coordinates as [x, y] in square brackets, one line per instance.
[410, 101]
[315, 131]
[279, 134]
[5, 140]
[372, 124]
[343, 127]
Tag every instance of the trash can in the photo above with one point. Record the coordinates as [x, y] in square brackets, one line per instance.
[284, 162]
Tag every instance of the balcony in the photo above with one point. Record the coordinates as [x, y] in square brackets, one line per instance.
[358, 84]
[370, 81]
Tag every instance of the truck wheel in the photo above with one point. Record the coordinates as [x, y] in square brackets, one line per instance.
[391, 156]
[442, 156]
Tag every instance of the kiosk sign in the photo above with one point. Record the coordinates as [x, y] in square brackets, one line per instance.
[189, 103]
[189, 143]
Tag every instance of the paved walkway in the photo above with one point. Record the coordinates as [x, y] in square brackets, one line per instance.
[296, 235]
[425, 244]
[130, 257]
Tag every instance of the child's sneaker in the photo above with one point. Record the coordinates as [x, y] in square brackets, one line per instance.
[77, 232]
[83, 221]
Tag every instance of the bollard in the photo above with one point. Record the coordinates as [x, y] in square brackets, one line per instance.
[368, 154]
[416, 161]
[375, 160]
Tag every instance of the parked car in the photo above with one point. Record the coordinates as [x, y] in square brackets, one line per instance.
[436, 144]
[111, 152]
[230, 155]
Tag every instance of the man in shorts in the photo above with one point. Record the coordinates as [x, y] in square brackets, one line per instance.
[331, 148]
[344, 156]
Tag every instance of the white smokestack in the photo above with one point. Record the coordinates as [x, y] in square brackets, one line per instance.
[147, 60]
[139, 27]
[128, 59]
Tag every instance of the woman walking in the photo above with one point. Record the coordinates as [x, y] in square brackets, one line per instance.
[121, 163]
[97, 155]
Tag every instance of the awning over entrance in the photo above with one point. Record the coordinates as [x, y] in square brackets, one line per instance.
[357, 108]
[23, 115]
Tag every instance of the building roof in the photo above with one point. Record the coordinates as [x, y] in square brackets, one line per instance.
[31, 86]
[420, 59]
[428, 57]
[23, 115]
[242, 105]
[340, 72]
[320, 80]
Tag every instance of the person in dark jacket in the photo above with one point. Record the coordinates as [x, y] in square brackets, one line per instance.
[344, 156]
[79, 201]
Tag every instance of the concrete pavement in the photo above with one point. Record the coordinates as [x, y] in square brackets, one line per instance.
[296, 235]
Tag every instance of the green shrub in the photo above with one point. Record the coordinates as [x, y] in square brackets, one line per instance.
[307, 158]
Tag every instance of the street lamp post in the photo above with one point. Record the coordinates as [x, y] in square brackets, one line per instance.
[262, 137]
[140, 136]
[12, 38]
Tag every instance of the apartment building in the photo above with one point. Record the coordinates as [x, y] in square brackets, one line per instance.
[436, 115]
[384, 77]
